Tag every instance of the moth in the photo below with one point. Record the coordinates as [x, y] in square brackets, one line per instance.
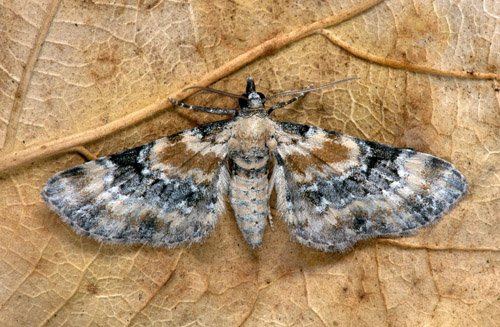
[332, 190]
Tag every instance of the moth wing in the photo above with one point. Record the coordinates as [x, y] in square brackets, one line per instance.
[334, 190]
[167, 192]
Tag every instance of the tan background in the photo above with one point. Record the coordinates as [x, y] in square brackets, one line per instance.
[71, 72]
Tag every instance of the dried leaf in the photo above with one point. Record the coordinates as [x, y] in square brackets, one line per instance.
[91, 77]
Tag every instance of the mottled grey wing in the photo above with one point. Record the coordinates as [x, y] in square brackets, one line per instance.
[334, 190]
[164, 193]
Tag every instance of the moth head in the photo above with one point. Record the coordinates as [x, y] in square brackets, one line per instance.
[251, 99]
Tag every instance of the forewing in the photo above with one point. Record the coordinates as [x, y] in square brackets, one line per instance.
[334, 190]
[166, 193]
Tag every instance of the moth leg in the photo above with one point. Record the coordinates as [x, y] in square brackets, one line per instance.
[286, 103]
[270, 187]
[217, 111]
[270, 218]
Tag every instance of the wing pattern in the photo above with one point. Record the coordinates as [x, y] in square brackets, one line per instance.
[167, 192]
[334, 190]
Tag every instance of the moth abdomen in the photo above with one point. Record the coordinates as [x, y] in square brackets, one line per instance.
[249, 199]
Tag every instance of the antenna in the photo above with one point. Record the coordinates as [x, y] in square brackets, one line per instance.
[311, 89]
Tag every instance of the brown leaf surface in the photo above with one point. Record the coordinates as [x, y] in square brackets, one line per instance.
[83, 76]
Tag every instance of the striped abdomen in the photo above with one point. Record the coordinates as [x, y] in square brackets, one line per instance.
[249, 194]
